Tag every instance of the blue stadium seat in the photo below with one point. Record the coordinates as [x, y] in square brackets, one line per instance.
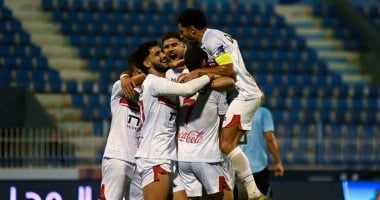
[98, 128]
[88, 113]
[5, 77]
[38, 76]
[71, 87]
[22, 78]
[87, 87]
[10, 62]
[93, 100]
[104, 113]
[40, 63]
[77, 100]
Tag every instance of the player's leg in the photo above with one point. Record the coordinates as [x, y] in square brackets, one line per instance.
[177, 185]
[229, 174]
[159, 189]
[212, 177]
[114, 179]
[135, 190]
[237, 121]
[262, 181]
[155, 177]
[191, 184]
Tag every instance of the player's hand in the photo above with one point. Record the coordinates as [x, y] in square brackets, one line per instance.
[183, 78]
[279, 170]
[174, 64]
[213, 76]
[128, 86]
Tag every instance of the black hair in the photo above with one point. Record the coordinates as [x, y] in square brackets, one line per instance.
[141, 53]
[192, 17]
[131, 63]
[170, 35]
[194, 57]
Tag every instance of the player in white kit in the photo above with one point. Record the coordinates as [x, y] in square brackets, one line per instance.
[224, 51]
[157, 151]
[174, 48]
[200, 158]
[118, 165]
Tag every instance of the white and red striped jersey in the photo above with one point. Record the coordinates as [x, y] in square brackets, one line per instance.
[173, 74]
[198, 137]
[125, 126]
[216, 43]
[159, 111]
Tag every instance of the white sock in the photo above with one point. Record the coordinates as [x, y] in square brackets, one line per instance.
[241, 165]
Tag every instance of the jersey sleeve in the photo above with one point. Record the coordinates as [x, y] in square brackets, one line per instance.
[268, 124]
[117, 90]
[217, 47]
[116, 94]
[168, 88]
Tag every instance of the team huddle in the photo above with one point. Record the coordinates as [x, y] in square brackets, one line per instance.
[178, 116]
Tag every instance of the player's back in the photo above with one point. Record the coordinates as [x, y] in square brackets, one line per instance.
[198, 137]
[217, 43]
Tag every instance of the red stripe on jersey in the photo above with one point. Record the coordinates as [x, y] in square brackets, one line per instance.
[130, 104]
[158, 170]
[190, 103]
[141, 104]
[103, 192]
[234, 121]
[168, 102]
[223, 184]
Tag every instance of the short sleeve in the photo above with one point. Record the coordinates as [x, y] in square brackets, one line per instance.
[268, 124]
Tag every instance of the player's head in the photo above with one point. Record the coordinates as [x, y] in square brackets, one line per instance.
[133, 70]
[191, 22]
[149, 56]
[195, 58]
[173, 46]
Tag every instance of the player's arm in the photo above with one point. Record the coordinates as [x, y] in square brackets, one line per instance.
[129, 83]
[221, 119]
[117, 90]
[188, 88]
[116, 94]
[177, 64]
[223, 84]
[225, 68]
[274, 150]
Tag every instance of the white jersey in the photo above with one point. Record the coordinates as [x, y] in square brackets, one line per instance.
[216, 43]
[198, 137]
[173, 74]
[125, 126]
[158, 110]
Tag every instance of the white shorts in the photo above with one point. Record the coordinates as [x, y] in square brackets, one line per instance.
[240, 113]
[228, 171]
[211, 176]
[120, 179]
[149, 168]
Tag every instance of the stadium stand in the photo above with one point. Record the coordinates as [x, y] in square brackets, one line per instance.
[321, 116]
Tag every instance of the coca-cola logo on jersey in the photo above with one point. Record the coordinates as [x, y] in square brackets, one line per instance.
[194, 137]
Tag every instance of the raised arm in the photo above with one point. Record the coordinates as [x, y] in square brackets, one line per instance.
[188, 88]
[129, 83]
[223, 84]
